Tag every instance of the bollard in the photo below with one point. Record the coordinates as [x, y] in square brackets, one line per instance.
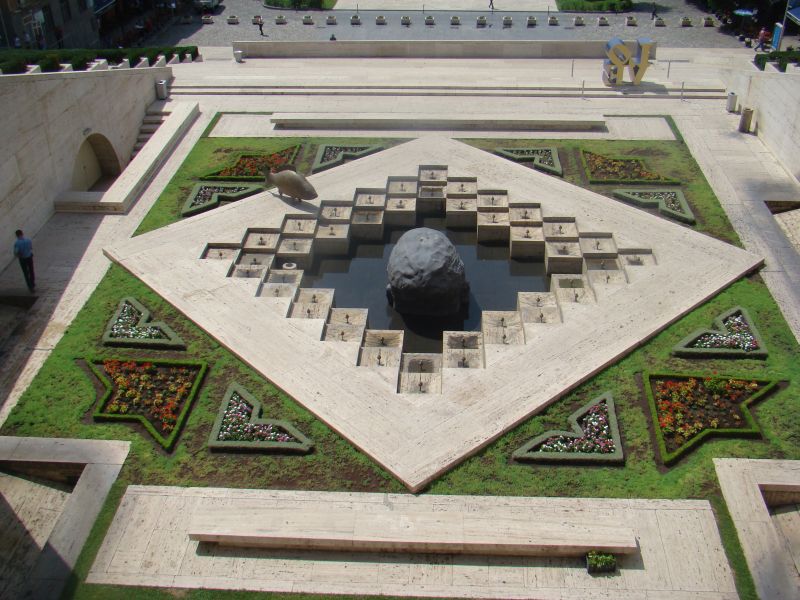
[746, 120]
[730, 106]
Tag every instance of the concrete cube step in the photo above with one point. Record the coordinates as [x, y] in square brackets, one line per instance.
[149, 127]
[155, 119]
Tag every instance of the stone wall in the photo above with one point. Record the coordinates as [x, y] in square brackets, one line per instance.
[44, 122]
[429, 49]
[776, 114]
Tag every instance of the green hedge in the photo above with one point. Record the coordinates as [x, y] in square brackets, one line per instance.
[595, 5]
[782, 58]
[15, 61]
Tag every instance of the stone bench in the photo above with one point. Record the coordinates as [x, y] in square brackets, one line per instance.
[407, 530]
[391, 121]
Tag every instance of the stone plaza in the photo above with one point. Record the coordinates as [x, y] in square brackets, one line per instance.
[636, 241]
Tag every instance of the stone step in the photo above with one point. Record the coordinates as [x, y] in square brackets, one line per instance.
[149, 127]
[155, 119]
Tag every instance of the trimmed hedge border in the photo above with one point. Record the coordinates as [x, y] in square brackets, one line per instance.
[172, 341]
[14, 61]
[303, 445]
[633, 197]
[214, 176]
[190, 210]
[168, 442]
[527, 453]
[683, 350]
[518, 155]
[752, 430]
[347, 153]
[782, 58]
[662, 181]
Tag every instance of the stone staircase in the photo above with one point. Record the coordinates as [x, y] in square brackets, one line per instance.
[583, 267]
[153, 118]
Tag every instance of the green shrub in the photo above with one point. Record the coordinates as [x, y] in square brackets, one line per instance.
[14, 61]
[595, 5]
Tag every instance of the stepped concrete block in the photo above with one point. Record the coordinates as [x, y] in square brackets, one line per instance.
[420, 373]
[560, 231]
[598, 246]
[493, 226]
[563, 257]
[526, 241]
[538, 307]
[502, 327]
[370, 198]
[333, 238]
[261, 239]
[297, 250]
[367, 224]
[331, 212]
[299, 227]
[462, 350]
[312, 303]
[400, 211]
[461, 212]
[525, 214]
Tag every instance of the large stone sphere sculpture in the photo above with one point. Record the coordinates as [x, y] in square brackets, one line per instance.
[426, 275]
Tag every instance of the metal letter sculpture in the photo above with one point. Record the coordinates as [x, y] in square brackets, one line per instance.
[619, 57]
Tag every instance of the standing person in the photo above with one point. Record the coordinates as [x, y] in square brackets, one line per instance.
[762, 39]
[261, 27]
[23, 250]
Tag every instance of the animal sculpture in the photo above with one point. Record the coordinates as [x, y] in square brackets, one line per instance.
[292, 184]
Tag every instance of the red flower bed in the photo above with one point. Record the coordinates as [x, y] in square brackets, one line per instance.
[686, 407]
[617, 169]
[156, 394]
[253, 165]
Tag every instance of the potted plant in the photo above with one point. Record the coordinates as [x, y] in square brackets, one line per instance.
[600, 562]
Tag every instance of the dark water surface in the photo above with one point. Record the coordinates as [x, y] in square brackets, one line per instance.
[360, 282]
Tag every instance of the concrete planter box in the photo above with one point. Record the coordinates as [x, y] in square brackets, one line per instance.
[380, 20]
[429, 20]
[405, 20]
[280, 20]
[602, 21]
[233, 20]
[531, 21]
[330, 20]
[578, 21]
[481, 22]
[552, 20]
[257, 20]
[308, 20]
[455, 20]
[659, 22]
[508, 21]
[207, 20]
[630, 21]
[355, 20]
[686, 22]
[708, 22]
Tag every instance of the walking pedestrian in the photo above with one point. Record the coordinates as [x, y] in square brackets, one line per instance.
[23, 250]
[491, 4]
[655, 12]
[261, 27]
[762, 39]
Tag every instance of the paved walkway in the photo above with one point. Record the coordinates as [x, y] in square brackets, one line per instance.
[220, 33]
[680, 553]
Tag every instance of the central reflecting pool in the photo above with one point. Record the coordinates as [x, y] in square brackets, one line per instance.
[360, 282]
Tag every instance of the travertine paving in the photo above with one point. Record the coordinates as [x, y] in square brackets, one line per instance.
[29, 511]
[749, 487]
[43, 528]
[414, 436]
[680, 555]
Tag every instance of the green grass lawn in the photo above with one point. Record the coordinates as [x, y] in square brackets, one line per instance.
[211, 154]
[61, 398]
[671, 159]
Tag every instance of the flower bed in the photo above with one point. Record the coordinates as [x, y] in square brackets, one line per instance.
[250, 167]
[671, 203]
[206, 197]
[330, 155]
[622, 169]
[594, 437]
[240, 426]
[543, 159]
[687, 409]
[131, 326]
[156, 394]
[734, 336]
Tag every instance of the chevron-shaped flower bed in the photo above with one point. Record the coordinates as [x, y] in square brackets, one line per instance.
[205, 197]
[688, 409]
[131, 326]
[156, 394]
[594, 437]
[250, 167]
[619, 169]
[330, 155]
[669, 202]
[241, 426]
[734, 336]
[543, 158]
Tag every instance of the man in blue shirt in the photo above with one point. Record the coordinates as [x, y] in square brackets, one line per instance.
[23, 250]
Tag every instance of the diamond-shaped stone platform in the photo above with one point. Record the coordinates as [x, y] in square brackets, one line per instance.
[669, 270]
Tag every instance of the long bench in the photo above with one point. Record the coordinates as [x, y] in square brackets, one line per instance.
[408, 531]
[391, 121]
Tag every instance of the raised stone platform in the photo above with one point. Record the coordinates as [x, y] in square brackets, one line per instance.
[679, 553]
